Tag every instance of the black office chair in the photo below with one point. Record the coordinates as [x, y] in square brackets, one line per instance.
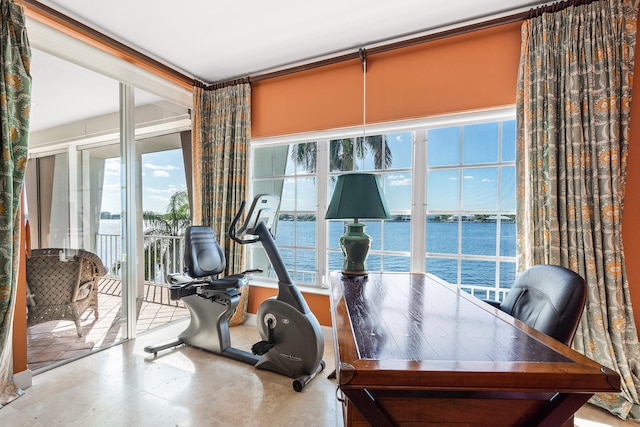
[548, 298]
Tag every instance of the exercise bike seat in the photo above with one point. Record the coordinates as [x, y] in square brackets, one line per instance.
[204, 260]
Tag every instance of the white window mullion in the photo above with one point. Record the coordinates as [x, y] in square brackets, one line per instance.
[322, 195]
[419, 202]
[130, 178]
[74, 203]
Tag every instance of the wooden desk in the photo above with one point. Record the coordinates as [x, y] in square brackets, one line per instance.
[413, 350]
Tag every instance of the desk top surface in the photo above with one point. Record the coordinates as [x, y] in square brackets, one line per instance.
[416, 323]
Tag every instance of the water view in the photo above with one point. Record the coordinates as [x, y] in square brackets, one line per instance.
[479, 240]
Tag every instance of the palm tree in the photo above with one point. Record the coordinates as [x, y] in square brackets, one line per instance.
[161, 246]
[344, 152]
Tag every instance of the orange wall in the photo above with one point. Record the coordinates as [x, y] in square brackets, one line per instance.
[319, 304]
[468, 72]
[20, 313]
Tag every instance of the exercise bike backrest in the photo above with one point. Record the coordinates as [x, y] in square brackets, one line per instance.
[203, 255]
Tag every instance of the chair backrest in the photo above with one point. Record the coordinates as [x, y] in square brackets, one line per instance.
[54, 280]
[203, 256]
[548, 298]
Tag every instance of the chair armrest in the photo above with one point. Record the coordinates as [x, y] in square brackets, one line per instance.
[84, 290]
[495, 304]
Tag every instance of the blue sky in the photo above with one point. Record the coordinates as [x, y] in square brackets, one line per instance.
[464, 175]
[162, 175]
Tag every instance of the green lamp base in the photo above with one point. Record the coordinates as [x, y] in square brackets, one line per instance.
[355, 244]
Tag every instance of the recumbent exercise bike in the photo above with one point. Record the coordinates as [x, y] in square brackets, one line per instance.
[292, 341]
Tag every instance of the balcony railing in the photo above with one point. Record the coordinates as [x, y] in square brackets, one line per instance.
[162, 254]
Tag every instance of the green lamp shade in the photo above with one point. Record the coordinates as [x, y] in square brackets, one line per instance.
[357, 196]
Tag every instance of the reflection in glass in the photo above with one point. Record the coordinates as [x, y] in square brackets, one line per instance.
[374, 229]
[480, 189]
[358, 154]
[303, 159]
[478, 273]
[400, 145]
[480, 143]
[446, 269]
[288, 197]
[397, 191]
[443, 146]
[442, 234]
[508, 188]
[397, 263]
[479, 238]
[443, 190]
[336, 230]
[509, 141]
[263, 162]
[508, 236]
[396, 236]
[507, 274]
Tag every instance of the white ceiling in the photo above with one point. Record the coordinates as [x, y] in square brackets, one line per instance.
[213, 40]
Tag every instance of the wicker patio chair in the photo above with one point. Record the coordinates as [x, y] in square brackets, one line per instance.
[62, 289]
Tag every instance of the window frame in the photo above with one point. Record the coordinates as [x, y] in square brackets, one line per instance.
[419, 128]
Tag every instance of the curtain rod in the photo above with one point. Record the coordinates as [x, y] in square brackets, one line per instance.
[557, 7]
[509, 19]
[80, 31]
[396, 45]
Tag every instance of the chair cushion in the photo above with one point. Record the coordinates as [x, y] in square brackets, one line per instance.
[548, 298]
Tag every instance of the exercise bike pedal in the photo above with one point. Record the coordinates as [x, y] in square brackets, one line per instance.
[261, 347]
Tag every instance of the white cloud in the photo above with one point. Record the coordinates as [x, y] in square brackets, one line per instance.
[112, 167]
[158, 167]
[112, 186]
[160, 174]
[165, 191]
[400, 182]
[468, 177]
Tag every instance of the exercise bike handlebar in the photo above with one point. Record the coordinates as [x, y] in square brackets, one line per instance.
[234, 223]
[257, 225]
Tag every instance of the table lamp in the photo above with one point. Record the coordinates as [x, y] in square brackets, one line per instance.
[357, 196]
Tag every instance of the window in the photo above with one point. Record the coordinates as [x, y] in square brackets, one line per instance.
[470, 215]
[450, 187]
[290, 172]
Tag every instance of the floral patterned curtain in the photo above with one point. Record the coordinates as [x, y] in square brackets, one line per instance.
[573, 108]
[15, 101]
[222, 130]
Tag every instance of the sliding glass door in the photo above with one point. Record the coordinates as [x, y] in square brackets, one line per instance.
[96, 172]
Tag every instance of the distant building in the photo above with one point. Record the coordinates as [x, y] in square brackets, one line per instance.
[494, 218]
[465, 218]
[109, 215]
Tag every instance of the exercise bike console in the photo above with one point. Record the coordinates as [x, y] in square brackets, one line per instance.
[292, 342]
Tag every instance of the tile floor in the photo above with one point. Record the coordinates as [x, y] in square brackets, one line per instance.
[53, 342]
[124, 386]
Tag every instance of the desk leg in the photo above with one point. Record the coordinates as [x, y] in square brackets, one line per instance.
[561, 410]
[366, 403]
